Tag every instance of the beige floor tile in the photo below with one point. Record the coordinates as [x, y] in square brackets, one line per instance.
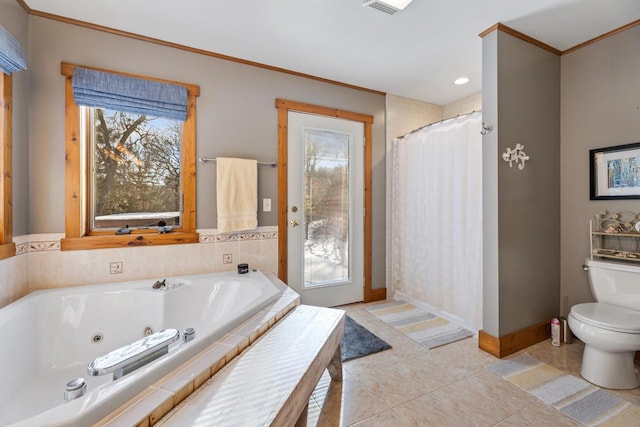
[504, 395]
[315, 417]
[397, 384]
[428, 411]
[384, 419]
[410, 385]
[462, 401]
[368, 364]
[632, 396]
[459, 362]
[539, 415]
[347, 402]
[567, 357]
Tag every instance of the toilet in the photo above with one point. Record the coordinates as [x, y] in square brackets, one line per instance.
[610, 327]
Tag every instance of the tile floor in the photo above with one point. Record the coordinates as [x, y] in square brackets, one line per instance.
[447, 386]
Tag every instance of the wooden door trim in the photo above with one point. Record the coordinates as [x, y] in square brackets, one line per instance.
[284, 106]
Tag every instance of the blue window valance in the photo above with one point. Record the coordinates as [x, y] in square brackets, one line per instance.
[11, 54]
[92, 88]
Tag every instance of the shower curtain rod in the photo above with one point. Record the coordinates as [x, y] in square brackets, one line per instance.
[442, 121]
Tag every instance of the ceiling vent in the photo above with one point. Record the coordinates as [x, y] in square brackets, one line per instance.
[388, 6]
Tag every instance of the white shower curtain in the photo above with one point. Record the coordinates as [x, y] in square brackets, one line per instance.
[436, 217]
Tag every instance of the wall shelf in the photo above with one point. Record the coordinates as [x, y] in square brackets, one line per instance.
[615, 236]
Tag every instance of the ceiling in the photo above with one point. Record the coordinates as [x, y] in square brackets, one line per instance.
[416, 53]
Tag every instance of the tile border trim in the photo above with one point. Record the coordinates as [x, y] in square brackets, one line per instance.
[51, 242]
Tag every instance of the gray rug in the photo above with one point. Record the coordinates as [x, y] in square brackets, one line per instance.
[358, 341]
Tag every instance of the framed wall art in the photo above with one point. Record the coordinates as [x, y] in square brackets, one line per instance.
[615, 172]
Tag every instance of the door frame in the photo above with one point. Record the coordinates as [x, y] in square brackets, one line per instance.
[284, 106]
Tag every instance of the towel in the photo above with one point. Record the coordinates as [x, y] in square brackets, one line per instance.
[237, 192]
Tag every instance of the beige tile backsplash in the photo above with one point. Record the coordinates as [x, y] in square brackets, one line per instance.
[40, 264]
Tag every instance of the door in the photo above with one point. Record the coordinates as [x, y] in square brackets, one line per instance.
[325, 193]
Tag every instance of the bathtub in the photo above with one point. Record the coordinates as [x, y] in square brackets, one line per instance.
[50, 337]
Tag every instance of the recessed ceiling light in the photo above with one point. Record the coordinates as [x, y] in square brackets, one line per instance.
[461, 81]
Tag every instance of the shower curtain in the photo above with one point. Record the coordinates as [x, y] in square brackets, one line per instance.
[436, 217]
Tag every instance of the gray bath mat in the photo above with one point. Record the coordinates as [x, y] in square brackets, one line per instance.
[358, 341]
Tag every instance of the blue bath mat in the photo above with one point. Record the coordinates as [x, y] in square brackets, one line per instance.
[358, 341]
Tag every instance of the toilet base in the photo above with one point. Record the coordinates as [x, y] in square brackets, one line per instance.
[609, 370]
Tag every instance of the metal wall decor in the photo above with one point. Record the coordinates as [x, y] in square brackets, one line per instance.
[516, 155]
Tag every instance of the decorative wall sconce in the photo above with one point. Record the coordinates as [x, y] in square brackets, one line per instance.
[516, 155]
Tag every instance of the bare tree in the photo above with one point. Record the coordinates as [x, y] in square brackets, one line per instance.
[136, 164]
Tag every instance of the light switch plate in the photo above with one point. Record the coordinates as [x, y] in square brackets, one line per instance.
[266, 205]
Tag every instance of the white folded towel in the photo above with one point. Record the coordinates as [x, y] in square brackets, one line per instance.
[237, 191]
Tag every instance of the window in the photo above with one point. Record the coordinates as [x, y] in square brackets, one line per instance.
[7, 247]
[134, 163]
[127, 170]
[11, 61]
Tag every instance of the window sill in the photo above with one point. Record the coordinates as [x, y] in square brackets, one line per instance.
[127, 241]
[7, 250]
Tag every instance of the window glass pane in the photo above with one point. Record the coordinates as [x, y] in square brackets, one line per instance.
[136, 170]
[327, 202]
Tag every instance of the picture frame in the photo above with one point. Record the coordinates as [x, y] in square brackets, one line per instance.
[614, 172]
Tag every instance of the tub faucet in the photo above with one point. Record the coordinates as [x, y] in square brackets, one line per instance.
[160, 284]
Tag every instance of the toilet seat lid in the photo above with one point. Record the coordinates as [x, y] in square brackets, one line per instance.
[608, 316]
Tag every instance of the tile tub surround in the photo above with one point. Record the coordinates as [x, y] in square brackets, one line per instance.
[151, 405]
[40, 264]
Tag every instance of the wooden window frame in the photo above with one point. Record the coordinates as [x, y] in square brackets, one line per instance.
[77, 230]
[7, 246]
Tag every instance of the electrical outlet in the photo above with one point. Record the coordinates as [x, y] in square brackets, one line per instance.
[115, 267]
[266, 205]
[227, 258]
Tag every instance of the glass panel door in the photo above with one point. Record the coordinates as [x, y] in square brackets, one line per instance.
[325, 209]
[327, 200]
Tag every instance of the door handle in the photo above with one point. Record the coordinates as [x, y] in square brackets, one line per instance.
[294, 223]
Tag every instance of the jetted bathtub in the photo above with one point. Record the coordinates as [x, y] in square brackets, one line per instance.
[49, 338]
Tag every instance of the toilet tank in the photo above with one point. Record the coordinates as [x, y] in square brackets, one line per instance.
[615, 283]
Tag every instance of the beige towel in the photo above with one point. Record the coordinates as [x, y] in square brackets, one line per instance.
[237, 191]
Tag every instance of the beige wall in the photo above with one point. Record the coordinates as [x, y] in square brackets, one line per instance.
[521, 99]
[236, 116]
[463, 106]
[600, 108]
[404, 115]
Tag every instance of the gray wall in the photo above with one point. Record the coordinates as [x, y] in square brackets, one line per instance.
[236, 116]
[490, 213]
[522, 98]
[600, 108]
[15, 20]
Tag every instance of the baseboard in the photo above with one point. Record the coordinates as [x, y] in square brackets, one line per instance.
[504, 346]
[378, 294]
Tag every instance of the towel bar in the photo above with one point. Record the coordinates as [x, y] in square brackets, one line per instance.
[214, 159]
